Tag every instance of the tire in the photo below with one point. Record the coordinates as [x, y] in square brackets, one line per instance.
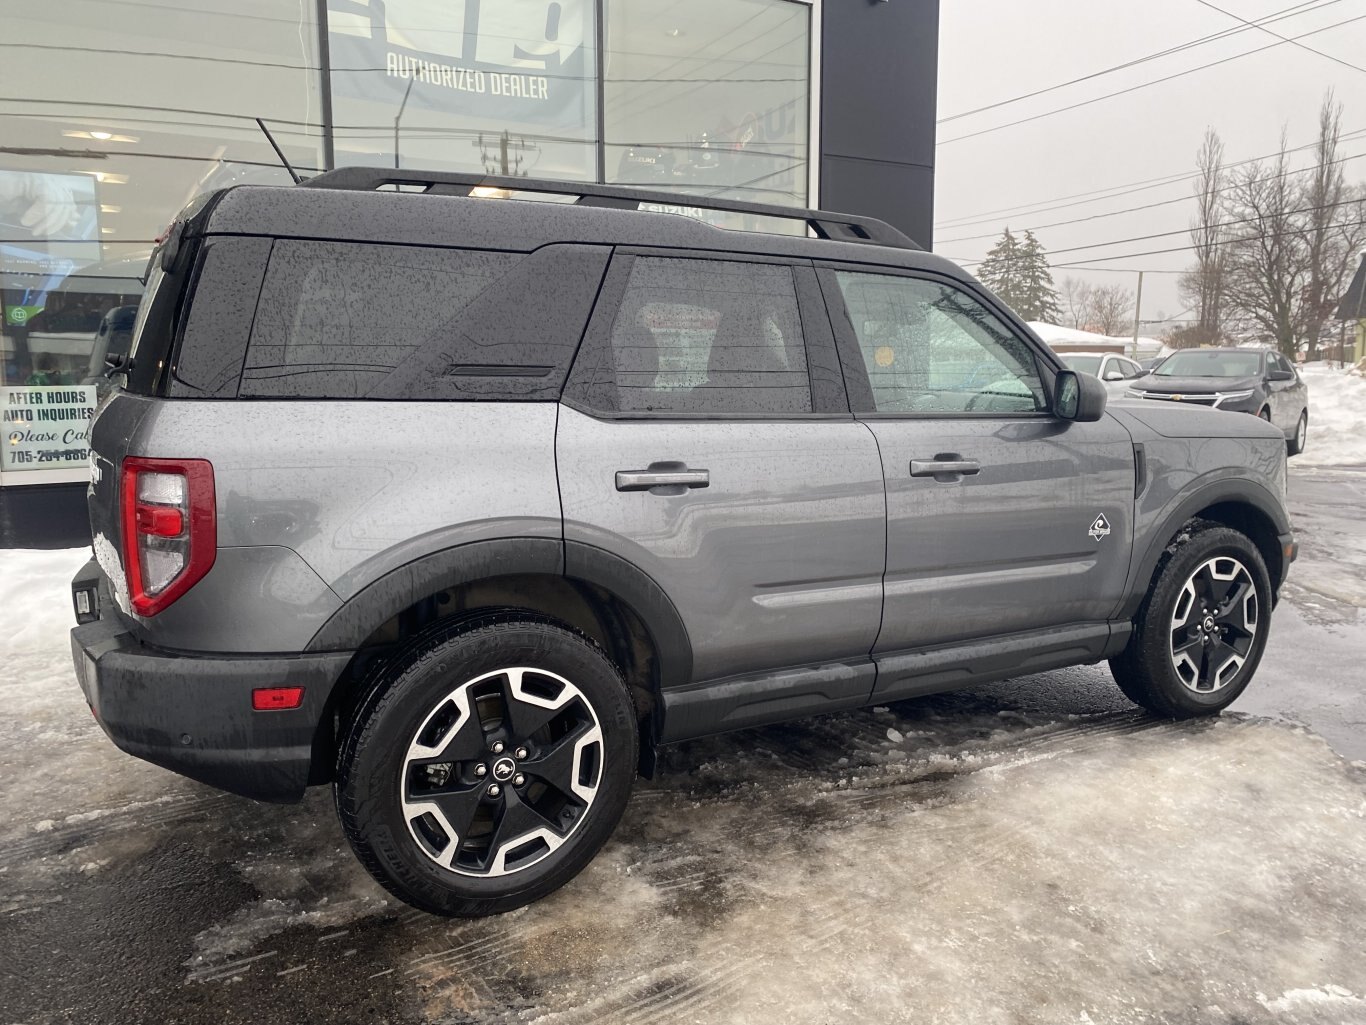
[1295, 445]
[488, 765]
[1204, 561]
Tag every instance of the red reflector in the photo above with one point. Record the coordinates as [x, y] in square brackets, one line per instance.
[160, 521]
[270, 699]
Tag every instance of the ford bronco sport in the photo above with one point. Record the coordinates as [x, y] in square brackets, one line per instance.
[464, 505]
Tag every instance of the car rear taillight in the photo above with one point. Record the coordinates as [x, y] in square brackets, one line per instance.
[170, 532]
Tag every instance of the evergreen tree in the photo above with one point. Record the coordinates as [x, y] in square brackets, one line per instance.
[1000, 271]
[1040, 297]
[1017, 271]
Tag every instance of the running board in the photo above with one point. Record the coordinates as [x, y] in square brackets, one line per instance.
[950, 667]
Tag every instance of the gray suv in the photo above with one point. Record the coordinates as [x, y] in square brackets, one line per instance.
[466, 505]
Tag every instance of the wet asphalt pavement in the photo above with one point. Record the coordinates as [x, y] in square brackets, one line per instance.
[1030, 851]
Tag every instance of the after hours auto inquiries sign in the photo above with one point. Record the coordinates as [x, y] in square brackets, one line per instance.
[45, 427]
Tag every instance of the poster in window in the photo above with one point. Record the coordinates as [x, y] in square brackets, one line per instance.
[510, 63]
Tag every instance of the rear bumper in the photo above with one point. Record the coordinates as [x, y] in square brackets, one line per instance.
[193, 714]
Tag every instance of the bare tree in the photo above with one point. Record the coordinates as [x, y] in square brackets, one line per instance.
[1268, 266]
[1203, 286]
[1333, 231]
[1076, 302]
[1112, 309]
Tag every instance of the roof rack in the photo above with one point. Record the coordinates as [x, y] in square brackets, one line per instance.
[839, 227]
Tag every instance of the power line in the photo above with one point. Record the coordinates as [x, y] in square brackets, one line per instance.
[1262, 26]
[1114, 191]
[1144, 85]
[1289, 12]
[1147, 206]
[1186, 249]
[1225, 224]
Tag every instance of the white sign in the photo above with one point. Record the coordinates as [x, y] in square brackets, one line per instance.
[45, 427]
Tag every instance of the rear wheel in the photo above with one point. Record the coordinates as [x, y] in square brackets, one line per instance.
[1296, 444]
[1202, 628]
[488, 767]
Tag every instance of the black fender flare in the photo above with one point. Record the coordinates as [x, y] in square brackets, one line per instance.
[1229, 490]
[399, 589]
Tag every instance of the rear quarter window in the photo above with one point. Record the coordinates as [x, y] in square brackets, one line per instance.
[360, 321]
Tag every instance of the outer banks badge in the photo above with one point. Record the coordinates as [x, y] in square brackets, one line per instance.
[1100, 528]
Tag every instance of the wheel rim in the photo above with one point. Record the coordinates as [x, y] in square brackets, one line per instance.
[1214, 625]
[1301, 431]
[502, 772]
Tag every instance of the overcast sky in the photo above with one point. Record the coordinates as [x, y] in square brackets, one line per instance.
[992, 50]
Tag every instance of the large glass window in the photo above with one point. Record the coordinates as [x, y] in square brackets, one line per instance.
[709, 97]
[120, 112]
[486, 86]
[125, 111]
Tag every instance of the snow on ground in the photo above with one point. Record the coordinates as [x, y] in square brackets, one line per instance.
[942, 860]
[1337, 417]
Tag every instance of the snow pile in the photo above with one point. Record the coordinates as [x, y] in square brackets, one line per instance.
[1054, 334]
[35, 598]
[1337, 417]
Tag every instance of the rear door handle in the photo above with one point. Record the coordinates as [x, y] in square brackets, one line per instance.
[935, 467]
[645, 480]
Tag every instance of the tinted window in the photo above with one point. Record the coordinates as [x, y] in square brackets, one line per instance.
[704, 336]
[1130, 368]
[929, 347]
[335, 320]
[214, 341]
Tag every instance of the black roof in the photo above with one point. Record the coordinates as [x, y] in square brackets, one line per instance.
[345, 205]
[1353, 305]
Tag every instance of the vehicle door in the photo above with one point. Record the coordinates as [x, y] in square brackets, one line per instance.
[1284, 391]
[1002, 517]
[705, 437]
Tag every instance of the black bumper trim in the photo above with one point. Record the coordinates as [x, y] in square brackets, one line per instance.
[193, 715]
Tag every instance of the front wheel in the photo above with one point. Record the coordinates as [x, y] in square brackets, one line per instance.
[1202, 628]
[488, 766]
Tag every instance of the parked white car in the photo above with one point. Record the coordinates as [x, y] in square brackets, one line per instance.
[1115, 371]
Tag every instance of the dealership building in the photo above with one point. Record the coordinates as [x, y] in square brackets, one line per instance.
[116, 113]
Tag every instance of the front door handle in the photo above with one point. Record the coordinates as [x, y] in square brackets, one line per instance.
[646, 480]
[937, 467]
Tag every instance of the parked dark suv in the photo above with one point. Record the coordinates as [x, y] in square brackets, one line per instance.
[465, 505]
[1256, 381]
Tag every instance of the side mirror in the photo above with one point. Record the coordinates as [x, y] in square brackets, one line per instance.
[1078, 397]
[1281, 375]
[1114, 375]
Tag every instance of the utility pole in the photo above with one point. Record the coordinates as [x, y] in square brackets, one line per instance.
[1138, 313]
[399, 116]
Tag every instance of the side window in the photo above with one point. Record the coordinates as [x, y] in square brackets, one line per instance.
[1131, 369]
[703, 336]
[930, 348]
[335, 320]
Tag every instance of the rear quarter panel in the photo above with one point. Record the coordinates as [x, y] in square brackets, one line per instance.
[315, 500]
